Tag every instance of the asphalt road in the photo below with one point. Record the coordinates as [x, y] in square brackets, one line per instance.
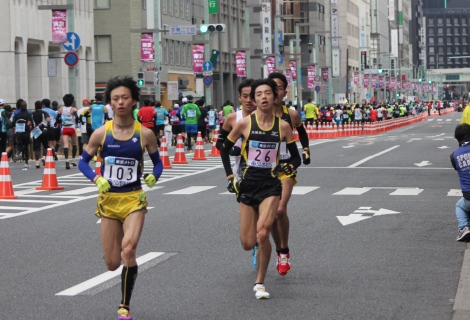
[372, 237]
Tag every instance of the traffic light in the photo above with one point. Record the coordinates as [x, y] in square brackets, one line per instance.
[420, 80]
[429, 81]
[213, 27]
[380, 71]
[140, 79]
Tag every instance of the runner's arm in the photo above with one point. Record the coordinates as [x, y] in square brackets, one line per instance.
[93, 145]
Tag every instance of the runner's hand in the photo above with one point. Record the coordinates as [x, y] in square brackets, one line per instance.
[306, 156]
[232, 185]
[150, 180]
[286, 168]
[103, 185]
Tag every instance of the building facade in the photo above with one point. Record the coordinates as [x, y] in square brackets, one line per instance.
[33, 67]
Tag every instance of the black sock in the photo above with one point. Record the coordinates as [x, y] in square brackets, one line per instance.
[284, 251]
[128, 276]
[74, 151]
[66, 153]
[56, 147]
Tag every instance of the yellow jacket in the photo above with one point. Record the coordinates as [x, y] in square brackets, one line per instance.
[466, 115]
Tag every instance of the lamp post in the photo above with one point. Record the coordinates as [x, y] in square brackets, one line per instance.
[277, 47]
[297, 61]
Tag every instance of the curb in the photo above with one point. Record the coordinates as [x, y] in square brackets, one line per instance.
[461, 308]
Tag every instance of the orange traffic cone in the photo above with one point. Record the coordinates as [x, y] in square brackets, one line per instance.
[180, 157]
[199, 152]
[215, 152]
[296, 135]
[98, 165]
[49, 181]
[6, 186]
[164, 154]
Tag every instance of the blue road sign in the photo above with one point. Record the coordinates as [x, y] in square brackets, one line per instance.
[72, 43]
[367, 95]
[207, 66]
[207, 80]
[71, 59]
[317, 88]
[377, 86]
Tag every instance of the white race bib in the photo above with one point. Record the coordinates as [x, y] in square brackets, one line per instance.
[20, 127]
[120, 171]
[191, 113]
[284, 153]
[262, 154]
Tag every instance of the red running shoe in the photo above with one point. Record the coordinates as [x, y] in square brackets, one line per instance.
[283, 264]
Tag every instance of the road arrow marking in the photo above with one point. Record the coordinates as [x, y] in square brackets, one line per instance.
[413, 139]
[352, 218]
[348, 146]
[358, 215]
[423, 163]
[443, 147]
[454, 193]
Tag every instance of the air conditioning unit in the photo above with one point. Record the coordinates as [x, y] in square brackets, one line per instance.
[183, 82]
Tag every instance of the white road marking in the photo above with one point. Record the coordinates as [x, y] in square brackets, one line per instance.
[191, 190]
[443, 147]
[76, 191]
[93, 282]
[352, 191]
[454, 193]
[406, 192]
[372, 156]
[303, 190]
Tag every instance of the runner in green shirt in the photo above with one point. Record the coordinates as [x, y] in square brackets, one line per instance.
[191, 113]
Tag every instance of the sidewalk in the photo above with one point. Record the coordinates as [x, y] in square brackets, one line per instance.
[461, 309]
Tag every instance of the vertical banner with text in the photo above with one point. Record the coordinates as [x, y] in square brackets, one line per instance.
[147, 49]
[374, 81]
[59, 26]
[240, 64]
[288, 76]
[366, 81]
[293, 69]
[334, 27]
[324, 73]
[266, 25]
[356, 78]
[310, 76]
[198, 58]
[271, 64]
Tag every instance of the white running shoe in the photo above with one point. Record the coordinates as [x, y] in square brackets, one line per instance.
[260, 291]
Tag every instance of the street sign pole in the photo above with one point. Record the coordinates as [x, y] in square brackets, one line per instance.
[72, 70]
[207, 53]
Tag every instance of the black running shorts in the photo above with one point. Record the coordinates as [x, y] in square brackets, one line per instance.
[252, 193]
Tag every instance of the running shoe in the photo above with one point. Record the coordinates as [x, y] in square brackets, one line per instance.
[464, 235]
[55, 156]
[67, 165]
[260, 291]
[37, 165]
[43, 161]
[123, 314]
[190, 150]
[283, 264]
[255, 262]
[74, 163]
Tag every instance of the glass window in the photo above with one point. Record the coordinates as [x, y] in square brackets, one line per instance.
[177, 53]
[430, 40]
[103, 49]
[448, 20]
[439, 21]
[440, 50]
[440, 30]
[183, 54]
[431, 49]
[430, 30]
[431, 59]
[456, 20]
[170, 7]
[449, 49]
[172, 52]
[177, 8]
[430, 20]
[456, 30]
[102, 4]
[144, 4]
[440, 40]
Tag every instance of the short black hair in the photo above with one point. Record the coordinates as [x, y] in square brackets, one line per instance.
[122, 81]
[99, 97]
[146, 102]
[462, 133]
[19, 104]
[245, 83]
[280, 76]
[190, 97]
[37, 105]
[68, 99]
[8, 108]
[152, 103]
[46, 103]
[260, 82]
[55, 105]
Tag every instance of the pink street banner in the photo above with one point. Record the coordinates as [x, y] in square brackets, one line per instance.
[293, 69]
[271, 64]
[310, 76]
[366, 81]
[288, 76]
[387, 83]
[356, 78]
[240, 66]
[59, 26]
[324, 73]
[198, 58]
[147, 50]
[392, 83]
[381, 82]
[374, 81]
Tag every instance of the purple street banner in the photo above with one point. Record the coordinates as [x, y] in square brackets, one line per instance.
[381, 82]
[366, 81]
[293, 69]
[310, 76]
[324, 73]
[271, 64]
[288, 76]
[59, 26]
[356, 78]
[147, 50]
[240, 64]
[198, 58]
[374, 81]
